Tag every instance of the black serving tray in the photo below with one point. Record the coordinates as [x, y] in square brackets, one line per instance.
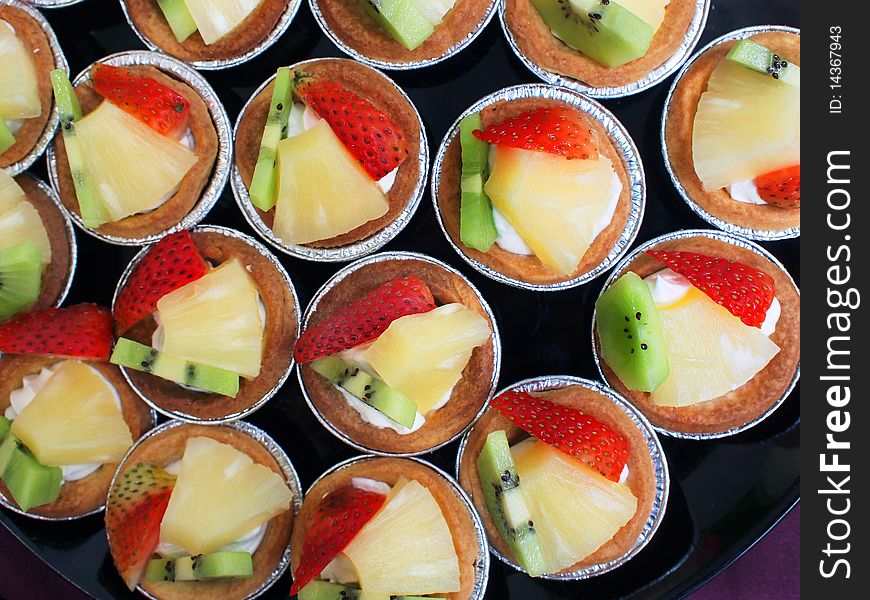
[725, 494]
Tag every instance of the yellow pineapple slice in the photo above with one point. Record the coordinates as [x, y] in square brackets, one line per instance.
[216, 18]
[710, 351]
[19, 94]
[220, 495]
[19, 220]
[552, 202]
[651, 11]
[423, 355]
[74, 419]
[322, 190]
[135, 169]
[215, 321]
[747, 124]
[11, 193]
[407, 548]
[575, 509]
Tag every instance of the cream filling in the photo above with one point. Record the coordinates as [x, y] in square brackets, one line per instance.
[746, 192]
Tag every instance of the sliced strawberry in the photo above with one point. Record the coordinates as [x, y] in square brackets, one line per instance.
[340, 516]
[168, 265]
[559, 130]
[79, 331]
[365, 319]
[373, 138]
[781, 188]
[133, 515]
[745, 291]
[158, 106]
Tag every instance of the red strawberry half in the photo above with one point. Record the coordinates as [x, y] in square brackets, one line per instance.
[340, 516]
[745, 291]
[168, 265]
[365, 319]
[158, 106]
[781, 188]
[372, 136]
[558, 130]
[573, 432]
[79, 331]
[133, 515]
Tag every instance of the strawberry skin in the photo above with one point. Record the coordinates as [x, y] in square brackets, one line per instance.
[168, 265]
[781, 188]
[340, 516]
[158, 106]
[373, 138]
[366, 319]
[78, 331]
[135, 509]
[746, 292]
[573, 432]
[557, 130]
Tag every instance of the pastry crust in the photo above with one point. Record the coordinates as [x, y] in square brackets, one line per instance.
[530, 269]
[280, 336]
[89, 493]
[182, 202]
[366, 83]
[389, 471]
[641, 470]
[470, 394]
[167, 447]
[756, 396]
[679, 127]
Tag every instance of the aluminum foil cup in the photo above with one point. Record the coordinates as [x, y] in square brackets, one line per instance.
[53, 3]
[618, 135]
[341, 253]
[693, 34]
[399, 65]
[764, 235]
[481, 565]
[262, 250]
[715, 235]
[290, 477]
[660, 465]
[221, 170]
[224, 63]
[384, 257]
[59, 63]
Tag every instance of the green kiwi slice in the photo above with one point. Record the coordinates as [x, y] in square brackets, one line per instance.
[758, 58]
[401, 19]
[30, 483]
[264, 190]
[179, 18]
[215, 565]
[20, 278]
[7, 138]
[476, 224]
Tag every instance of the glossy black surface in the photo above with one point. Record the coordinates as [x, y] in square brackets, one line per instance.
[724, 494]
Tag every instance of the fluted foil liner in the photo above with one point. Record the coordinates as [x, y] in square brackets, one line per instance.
[53, 3]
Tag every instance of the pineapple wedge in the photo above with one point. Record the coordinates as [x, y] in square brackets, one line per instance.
[215, 321]
[19, 220]
[74, 419]
[575, 510]
[322, 191]
[19, 94]
[11, 193]
[216, 18]
[220, 495]
[651, 11]
[407, 548]
[423, 355]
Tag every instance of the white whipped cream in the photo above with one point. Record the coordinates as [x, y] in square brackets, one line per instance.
[746, 192]
[371, 485]
[623, 477]
[14, 125]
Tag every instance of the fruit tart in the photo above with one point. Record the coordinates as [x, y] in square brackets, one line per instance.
[375, 528]
[313, 180]
[701, 331]
[533, 191]
[37, 246]
[137, 149]
[68, 416]
[569, 480]
[206, 321]
[732, 133]
[398, 355]
[200, 511]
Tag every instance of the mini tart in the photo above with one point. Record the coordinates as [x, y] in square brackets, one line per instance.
[146, 17]
[179, 205]
[389, 471]
[366, 83]
[755, 397]
[32, 35]
[86, 495]
[280, 336]
[166, 447]
[530, 269]
[641, 470]
[469, 395]
[679, 126]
